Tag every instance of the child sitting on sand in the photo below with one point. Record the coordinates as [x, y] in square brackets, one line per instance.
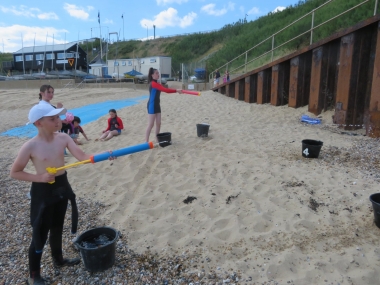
[75, 129]
[49, 192]
[115, 125]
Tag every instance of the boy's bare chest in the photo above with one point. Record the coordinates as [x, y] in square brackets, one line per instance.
[51, 153]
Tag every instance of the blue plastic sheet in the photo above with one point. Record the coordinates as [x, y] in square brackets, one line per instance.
[312, 121]
[87, 114]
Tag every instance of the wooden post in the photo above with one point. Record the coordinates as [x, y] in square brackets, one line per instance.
[227, 90]
[264, 86]
[315, 86]
[372, 120]
[323, 78]
[250, 91]
[239, 89]
[230, 89]
[344, 76]
[280, 84]
[354, 78]
[274, 98]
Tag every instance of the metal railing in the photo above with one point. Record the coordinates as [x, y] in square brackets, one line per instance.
[243, 67]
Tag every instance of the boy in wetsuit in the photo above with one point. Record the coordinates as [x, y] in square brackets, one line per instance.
[48, 200]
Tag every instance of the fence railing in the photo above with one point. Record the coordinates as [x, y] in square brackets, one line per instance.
[269, 54]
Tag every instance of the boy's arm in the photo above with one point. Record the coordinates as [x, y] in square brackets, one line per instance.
[22, 159]
[76, 151]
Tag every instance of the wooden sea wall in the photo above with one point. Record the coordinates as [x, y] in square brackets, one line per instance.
[341, 72]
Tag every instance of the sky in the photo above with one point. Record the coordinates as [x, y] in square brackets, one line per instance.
[37, 23]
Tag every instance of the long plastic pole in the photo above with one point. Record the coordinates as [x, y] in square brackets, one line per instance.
[105, 156]
[121, 152]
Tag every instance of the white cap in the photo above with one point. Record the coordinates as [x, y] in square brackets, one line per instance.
[43, 110]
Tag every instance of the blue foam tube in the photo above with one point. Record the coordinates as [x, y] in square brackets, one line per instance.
[122, 151]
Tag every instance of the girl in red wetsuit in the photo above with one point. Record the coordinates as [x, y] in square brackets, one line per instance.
[115, 125]
[153, 106]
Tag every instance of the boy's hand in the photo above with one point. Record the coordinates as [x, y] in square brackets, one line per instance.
[47, 177]
[116, 126]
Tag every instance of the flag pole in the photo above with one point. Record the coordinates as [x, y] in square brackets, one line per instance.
[34, 44]
[43, 63]
[76, 56]
[23, 62]
[52, 55]
[100, 28]
[64, 57]
[122, 16]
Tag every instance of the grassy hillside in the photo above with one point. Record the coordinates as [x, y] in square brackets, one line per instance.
[235, 38]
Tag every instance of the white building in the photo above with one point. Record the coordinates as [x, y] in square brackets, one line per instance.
[98, 68]
[142, 65]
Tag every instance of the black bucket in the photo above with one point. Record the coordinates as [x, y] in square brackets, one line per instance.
[202, 130]
[311, 148]
[164, 139]
[97, 248]
[375, 199]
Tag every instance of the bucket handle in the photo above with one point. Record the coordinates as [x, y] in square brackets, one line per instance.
[76, 244]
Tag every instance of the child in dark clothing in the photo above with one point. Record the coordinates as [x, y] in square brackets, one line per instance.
[74, 130]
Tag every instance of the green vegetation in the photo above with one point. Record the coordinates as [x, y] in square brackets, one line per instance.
[4, 57]
[235, 39]
[247, 35]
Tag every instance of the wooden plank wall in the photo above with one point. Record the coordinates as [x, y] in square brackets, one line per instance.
[342, 74]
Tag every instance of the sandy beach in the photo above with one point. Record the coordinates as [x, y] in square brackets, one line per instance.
[263, 214]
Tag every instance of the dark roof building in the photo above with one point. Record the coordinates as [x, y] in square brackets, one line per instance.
[69, 56]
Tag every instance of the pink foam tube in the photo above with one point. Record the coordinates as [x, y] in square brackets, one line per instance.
[191, 92]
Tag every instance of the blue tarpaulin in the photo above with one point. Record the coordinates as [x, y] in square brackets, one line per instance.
[200, 73]
[307, 119]
[87, 114]
[132, 73]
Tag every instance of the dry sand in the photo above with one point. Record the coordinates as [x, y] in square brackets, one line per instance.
[261, 209]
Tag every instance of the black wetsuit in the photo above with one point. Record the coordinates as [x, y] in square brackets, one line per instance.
[47, 214]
